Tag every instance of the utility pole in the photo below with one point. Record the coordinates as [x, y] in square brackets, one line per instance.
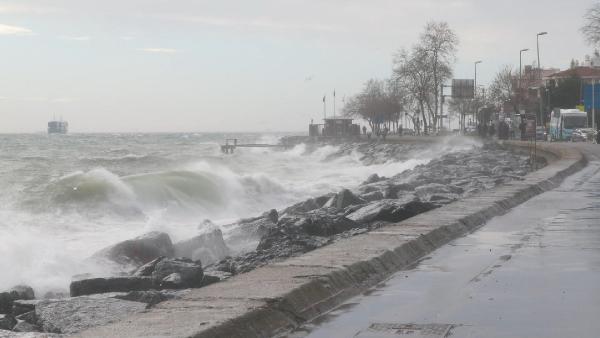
[441, 107]
[542, 115]
[475, 81]
[474, 91]
[334, 103]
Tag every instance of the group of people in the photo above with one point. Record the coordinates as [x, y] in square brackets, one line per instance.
[502, 128]
[379, 132]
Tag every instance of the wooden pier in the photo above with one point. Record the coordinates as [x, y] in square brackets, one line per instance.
[232, 143]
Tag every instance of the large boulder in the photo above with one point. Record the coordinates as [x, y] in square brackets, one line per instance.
[272, 215]
[326, 226]
[15, 293]
[372, 179]
[139, 250]
[23, 306]
[372, 196]
[23, 326]
[397, 190]
[173, 273]
[427, 190]
[7, 322]
[111, 284]
[390, 210]
[72, 315]
[308, 205]
[316, 223]
[344, 199]
[207, 248]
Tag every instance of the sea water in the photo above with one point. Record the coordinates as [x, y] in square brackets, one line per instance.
[64, 197]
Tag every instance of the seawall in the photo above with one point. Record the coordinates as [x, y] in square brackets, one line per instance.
[276, 298]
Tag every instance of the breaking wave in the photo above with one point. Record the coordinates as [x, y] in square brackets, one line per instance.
[205, 190]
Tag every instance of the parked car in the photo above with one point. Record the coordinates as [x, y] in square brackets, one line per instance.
[583, 135]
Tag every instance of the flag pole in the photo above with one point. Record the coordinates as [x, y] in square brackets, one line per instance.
[334, 103]
[324, 108]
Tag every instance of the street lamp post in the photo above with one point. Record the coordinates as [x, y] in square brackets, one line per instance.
[542, 115]
[475, 84]
[520, 77]
[474, 88]
[593, 104]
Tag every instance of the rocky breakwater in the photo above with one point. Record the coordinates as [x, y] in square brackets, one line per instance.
[377, 201]
[157, 274]
[155, 269]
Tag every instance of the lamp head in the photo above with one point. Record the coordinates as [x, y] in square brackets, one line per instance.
[542, 33]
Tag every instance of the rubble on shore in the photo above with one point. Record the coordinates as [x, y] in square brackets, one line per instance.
[165, 270]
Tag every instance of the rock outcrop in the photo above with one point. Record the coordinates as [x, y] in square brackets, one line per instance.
[208, 248]
[139, 250]
[319, 221]
[160, 273]
[19, 292]
[111, 284]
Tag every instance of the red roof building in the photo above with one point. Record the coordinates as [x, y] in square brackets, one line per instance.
[584, 73]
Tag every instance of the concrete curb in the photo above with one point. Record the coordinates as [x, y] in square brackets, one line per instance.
[277, 298]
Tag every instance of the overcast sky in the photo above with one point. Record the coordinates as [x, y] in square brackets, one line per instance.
[224, 65]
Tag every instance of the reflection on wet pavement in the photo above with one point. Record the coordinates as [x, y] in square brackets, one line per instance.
[534, 272]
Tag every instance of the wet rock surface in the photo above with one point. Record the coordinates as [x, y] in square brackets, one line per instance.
[7, 322]
[139, 250]
[76, 314]
[19, 292]
[110, 284]
[208, 247]
[164, 270]
[321, 220]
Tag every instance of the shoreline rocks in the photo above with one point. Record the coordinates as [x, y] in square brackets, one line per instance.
[139, 250]
[161, 273]
[318, 221]
[165, 270]
[19, 292]
[208, 247]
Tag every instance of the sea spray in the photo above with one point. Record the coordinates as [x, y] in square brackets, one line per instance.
[65, 198]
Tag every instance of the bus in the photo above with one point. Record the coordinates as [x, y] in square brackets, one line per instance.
[564, 121]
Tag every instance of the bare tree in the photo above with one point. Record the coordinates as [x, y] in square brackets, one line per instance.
[425, 68]
[380, 104]
[466, 107]
[415, 88]
[439, 42]
[591, 28]
[412, 73]
[503, 88]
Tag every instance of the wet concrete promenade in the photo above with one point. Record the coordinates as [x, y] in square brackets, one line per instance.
[533, 272]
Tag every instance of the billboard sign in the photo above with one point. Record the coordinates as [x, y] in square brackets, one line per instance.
[463, 88]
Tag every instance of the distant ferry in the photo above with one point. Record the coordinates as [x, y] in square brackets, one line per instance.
[58, 127]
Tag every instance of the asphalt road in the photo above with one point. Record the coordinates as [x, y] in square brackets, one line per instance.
[534, 272]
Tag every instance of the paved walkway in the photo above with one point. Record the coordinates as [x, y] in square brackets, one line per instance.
[534, 272]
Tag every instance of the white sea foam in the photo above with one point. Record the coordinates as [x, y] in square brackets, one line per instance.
[58, 210]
